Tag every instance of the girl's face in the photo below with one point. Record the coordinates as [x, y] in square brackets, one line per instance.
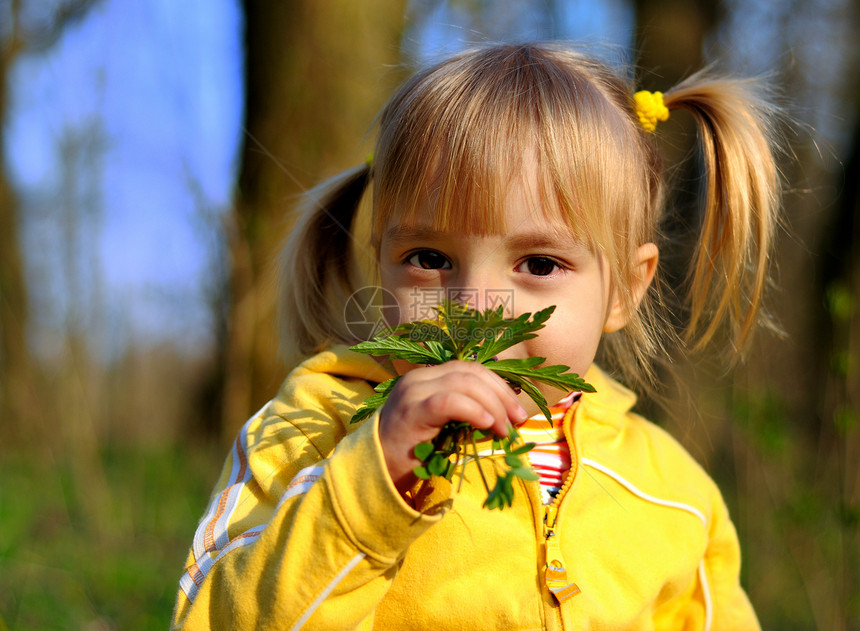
[538, 262]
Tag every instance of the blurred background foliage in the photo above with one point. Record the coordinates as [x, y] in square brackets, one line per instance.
[110, 440]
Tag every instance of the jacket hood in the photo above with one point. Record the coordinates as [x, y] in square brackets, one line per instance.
[610, 399]
[339, 361]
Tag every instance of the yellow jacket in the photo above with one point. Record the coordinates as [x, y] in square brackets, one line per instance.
[306, 530]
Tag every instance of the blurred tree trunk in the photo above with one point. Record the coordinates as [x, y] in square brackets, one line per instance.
[14, 359]
[814, 369]
[780, 434]
[670, 37]
[27, 29]
[670, 43]
[317, 71]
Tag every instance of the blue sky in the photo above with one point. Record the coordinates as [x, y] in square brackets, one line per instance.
[147, 95]
[151, 92]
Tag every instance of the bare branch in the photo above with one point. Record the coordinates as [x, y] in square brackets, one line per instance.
[45, 32]
[14, 44]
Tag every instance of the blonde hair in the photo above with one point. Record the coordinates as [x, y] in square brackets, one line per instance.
[457, 132]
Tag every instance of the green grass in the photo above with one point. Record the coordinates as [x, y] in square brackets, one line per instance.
[98, 545]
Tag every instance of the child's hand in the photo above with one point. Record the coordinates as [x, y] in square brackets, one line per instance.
[425, 399]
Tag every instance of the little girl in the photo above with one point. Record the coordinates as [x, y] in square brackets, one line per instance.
[525, 174]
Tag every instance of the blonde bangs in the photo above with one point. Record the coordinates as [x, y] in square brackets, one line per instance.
[446, 150]
[454, 139]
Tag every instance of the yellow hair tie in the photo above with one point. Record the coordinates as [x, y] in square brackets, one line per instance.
[650, 109]
[368, 160]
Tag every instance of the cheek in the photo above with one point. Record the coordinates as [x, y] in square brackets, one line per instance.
[418, 303]
[401, 366]
[397, 297]
[405, 305]
[571, 340]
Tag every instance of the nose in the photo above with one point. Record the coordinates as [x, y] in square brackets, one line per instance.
[480, 291]
[469, 288]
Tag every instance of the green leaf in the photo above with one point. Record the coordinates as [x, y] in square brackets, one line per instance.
[422, 331]
[449, 473]
[438, 464]
[515, 331]
[386, 386]
[507, 489]
[513, 461]
[522, 366]
[463, 333]
[374, 401]
[492, 500]
[554, 375]
[361, 414]
[423, 450]
[528, 388]
[439, 351]
[523, 449]
[398, 347]
[526, 473]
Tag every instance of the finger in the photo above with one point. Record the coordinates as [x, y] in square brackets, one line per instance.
[484, 391]
[472, 379]
[513, 409]
[516, 412]
[442, 407]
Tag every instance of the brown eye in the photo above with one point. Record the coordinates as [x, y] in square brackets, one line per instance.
[429, 259]
[540, 266]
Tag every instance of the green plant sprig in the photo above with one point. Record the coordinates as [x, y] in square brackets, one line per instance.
[470, 335]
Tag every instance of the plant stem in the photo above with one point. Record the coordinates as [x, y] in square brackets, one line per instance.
[478, 461]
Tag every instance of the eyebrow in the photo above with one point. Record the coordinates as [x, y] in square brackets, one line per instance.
[525, 241]
[405, 233]
[542, 240]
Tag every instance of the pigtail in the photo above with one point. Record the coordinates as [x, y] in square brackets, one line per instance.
[318, 271]
[729, 270]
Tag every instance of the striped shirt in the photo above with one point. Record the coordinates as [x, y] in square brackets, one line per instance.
[551, 454]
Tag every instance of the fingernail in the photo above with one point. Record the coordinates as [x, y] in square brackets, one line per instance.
[521, 412]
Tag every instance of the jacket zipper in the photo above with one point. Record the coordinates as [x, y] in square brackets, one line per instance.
[555, 574]
[553, 550]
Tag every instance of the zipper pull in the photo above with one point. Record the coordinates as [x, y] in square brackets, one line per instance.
[555, 575]
[549, 517]
[554, 560]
